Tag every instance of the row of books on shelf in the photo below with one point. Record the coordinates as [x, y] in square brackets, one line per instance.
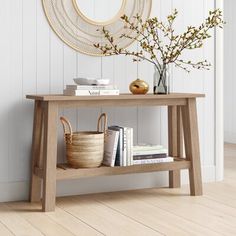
[90, 90]
[119, 149]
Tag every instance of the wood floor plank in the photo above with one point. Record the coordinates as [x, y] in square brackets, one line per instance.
[15, 223]
[210, 203]
[152, 215]
[72, 223]
[61, 217]
[39, 220]
[4, 231]
[103, 218]
[187, 208]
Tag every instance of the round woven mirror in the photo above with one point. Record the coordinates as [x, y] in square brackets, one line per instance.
[79, 22]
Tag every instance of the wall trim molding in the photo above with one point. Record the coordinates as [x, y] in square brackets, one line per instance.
[19, 191]
[219, 98]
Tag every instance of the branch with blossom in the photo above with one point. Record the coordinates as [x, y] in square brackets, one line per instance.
[158, 42]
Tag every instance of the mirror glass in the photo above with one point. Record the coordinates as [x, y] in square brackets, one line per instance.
[99, 10]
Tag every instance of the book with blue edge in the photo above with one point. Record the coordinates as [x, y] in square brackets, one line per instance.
[110, 147]
[119, 153]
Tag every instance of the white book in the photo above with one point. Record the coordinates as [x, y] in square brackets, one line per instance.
[129, 146]
[119, 153]
[110, 147]
[149, 152]
[91, 81]
[89, 87]
[153, 161]
[124, 161]
[128, 134]
[147, 147]
[70, 92]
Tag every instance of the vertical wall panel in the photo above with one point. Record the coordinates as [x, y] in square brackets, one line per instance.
[208, 127]
[17, 158]
[56, 81]
[69, 72]
[87, 117]
[4, 89]
[164, 11]
[229, 72]
[29, 84]
[149, 118]
[43, 51]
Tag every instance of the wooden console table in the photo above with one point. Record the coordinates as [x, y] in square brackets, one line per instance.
[182, 122]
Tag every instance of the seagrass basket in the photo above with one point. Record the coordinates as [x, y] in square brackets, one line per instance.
[84, 149]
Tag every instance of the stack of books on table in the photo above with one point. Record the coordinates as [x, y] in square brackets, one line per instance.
[90, 90]
[118, 150]
[149, 154]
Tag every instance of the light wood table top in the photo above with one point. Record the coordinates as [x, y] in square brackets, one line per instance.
[60, 97]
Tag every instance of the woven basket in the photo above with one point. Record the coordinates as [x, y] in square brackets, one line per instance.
[84, 149]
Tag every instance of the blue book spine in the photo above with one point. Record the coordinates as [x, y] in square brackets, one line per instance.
[119, 153]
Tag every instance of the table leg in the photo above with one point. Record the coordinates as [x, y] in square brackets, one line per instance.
[36, 182]
[50, 156]
[180, 136]
[174, 142]
[191, 139]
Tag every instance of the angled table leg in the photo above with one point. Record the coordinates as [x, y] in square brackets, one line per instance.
[180, 135]
[175, 140]
[191, 139]
[36, 182]
[50, 155]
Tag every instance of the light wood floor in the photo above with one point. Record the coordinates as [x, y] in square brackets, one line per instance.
[142, 212]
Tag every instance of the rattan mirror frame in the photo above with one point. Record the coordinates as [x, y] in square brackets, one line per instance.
[80, 33]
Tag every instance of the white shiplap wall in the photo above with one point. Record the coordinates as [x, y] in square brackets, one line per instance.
[34, 60]
[229, 77]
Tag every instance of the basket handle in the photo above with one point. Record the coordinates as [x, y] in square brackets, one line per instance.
[65, 124]
[99, 125]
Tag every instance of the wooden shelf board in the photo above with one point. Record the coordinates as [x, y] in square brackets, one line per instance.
[71, 173]
[61, 97]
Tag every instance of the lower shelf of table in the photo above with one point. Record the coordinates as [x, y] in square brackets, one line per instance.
[71, 173]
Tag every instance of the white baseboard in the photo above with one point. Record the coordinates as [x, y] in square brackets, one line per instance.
[17, 191]
[229, 137]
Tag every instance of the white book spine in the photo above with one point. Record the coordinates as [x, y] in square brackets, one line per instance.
[89, 87]
[131, 145]
[110, 147]
[151, 152]
[147, 147]
[128, 146]
[152, 161]
[125, 148]
[109, 92]
[115, 149]
[69, 92]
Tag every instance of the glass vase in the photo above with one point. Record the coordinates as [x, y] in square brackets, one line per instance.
[161, 80]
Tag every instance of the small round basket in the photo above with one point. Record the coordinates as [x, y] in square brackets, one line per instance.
[84, 149]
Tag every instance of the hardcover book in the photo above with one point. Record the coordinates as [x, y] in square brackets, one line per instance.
[147, 147]
[92, 92]
[140, 157]
[110, 147]
[153, 161]
[89, 87]
[119, 153]
[150, 152]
